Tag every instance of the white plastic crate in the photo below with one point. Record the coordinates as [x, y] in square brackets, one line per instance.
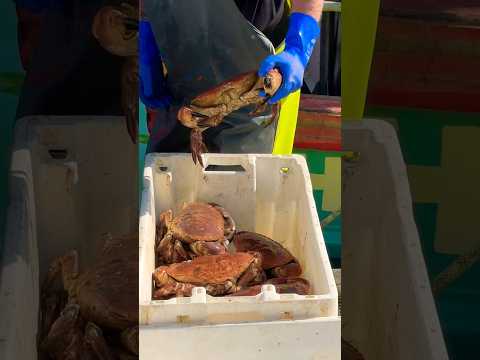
[272, 195]
[53, 208]
[387, 305]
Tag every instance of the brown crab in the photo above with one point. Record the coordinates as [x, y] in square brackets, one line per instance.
[276, 260]
[294, 285]
[219, 274]
[209, 108]
[199, 229]
[71, 338]
[116, 29]
[105, 295]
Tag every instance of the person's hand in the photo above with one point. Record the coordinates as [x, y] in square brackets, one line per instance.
[153, 89]
[291, 68]
[303, 32]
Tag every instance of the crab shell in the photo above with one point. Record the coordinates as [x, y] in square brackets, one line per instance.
[210, 102]
[298, 286]
[275, 258]
[198, 222]
[199, 229]
[219, 274]
[108, 292]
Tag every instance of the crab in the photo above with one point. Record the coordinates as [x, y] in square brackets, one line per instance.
[199, 229]
[209, 108]
[71, 338]
[294, 285]
[116, 29]
[105, 295]
[219, 274]
[276, 260]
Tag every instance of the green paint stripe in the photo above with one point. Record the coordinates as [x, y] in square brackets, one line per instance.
[11, 82]
[420, 130]
[143, 138]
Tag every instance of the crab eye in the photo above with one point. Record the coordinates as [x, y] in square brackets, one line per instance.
[267, 82]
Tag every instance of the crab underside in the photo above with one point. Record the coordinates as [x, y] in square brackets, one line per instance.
[209, 108]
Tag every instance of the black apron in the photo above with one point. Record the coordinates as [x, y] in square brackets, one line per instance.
[203, 43]
[268, 16]
[322, 76]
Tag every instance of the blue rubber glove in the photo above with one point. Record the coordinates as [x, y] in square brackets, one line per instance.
[153, 87]
[303, 32]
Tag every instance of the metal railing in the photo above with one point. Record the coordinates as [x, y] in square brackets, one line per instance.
[332, 6]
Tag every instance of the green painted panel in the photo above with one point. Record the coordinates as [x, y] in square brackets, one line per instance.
[332, 232]
[420, 136]
[419, 131]
[11, 76]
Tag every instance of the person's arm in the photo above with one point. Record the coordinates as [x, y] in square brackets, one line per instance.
[153, 89]
[303, 32]
[308, 7]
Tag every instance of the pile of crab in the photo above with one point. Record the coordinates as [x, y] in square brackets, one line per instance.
[201, 247]
[92, 314]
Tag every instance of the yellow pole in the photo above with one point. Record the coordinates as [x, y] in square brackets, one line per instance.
[359, 27]
[287, 122]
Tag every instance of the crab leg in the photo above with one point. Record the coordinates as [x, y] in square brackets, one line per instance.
[95, 340]
[167, 287]
[282, 286]
[197, 146]
[171, 250]
[67, 265]
[230, 227]
[129, 339]
[198, 115]
[63, 336]
[220, 289]
[253, 275]
[50, 310]
[291, 269]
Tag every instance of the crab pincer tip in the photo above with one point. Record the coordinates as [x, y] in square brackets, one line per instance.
[194, 158]
[200, 160]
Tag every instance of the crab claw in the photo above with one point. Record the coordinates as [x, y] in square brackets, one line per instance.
[190, 118]
[96, 342]
[293, 285]
[272, 82]
[201, 248]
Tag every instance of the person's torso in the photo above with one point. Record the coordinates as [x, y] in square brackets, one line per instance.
[268, 16]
